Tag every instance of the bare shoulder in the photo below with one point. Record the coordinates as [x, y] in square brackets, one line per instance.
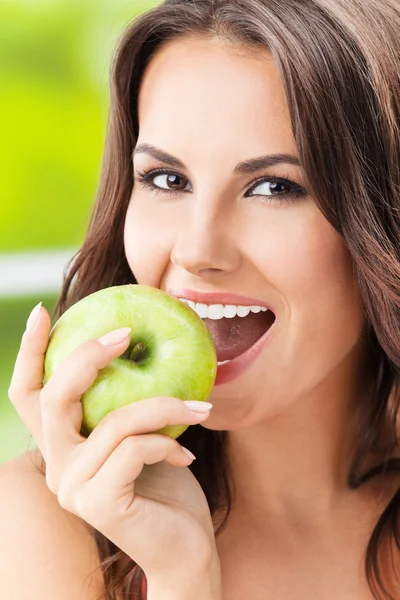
[45, 551]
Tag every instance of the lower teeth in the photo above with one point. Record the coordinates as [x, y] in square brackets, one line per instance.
[222, 362]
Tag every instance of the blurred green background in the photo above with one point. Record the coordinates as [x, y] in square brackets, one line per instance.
[54, 73]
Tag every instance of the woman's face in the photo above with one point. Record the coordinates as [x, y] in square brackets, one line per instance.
[213, 107]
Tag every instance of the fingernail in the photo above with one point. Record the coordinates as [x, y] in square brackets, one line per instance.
[188, 453]
[31, 322]
[198, 407]
[115, 337]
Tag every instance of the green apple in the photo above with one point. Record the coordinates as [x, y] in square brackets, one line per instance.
[171, 351]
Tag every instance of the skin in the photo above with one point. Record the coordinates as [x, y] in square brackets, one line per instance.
[290, 416]
[295, 530]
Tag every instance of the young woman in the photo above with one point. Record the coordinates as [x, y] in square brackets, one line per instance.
[252, 159]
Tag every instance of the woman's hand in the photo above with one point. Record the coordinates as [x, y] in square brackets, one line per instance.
[127, 482]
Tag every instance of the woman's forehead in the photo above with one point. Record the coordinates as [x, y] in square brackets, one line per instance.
[204, 92]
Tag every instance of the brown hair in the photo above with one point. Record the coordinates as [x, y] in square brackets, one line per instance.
[339, 63]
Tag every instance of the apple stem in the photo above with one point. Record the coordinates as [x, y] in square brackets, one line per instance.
[138, 350]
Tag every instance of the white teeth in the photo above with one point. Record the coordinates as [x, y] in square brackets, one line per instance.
[219, 311]
[222, 362]
[256, 309]
[201, 310]
[243, 311]
[230, 311]
[184, 301]
[215, 311]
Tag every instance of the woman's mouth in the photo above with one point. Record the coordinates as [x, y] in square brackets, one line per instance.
[238, 347]
[234, 336]
[237, 339]
[238, 331]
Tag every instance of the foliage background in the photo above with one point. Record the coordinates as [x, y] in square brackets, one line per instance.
[54, 70]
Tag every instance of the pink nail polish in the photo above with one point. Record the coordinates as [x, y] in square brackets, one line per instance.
[198, 407]
[33, 317]
[188, 453]
[115, 337]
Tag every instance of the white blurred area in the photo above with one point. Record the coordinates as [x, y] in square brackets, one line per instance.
[28, 273]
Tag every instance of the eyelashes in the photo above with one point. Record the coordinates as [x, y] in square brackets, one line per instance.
[145, 178]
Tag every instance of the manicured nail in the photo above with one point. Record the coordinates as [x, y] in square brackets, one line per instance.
[33, 317]
[188, 453]
[198, 407]
[115, 337]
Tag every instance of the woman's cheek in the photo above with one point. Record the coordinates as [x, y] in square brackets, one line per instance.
[147, 245]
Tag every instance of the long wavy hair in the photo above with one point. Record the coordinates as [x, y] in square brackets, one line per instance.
[339, 61]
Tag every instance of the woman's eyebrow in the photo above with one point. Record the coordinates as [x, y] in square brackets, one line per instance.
[247, 166]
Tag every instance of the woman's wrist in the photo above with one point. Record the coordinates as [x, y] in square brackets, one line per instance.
[204, 584]
[198, 589]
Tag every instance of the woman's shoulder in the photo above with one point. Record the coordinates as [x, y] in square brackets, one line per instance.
[28, 464]
[45, 551]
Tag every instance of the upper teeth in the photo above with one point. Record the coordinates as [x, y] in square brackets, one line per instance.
[219, 311]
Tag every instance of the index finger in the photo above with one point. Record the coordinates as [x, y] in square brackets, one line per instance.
[27, 378]
[60, 398]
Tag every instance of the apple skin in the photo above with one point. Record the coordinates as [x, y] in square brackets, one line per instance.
[179, 360]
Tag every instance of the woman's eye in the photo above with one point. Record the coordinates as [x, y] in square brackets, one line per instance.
[271, 188]
[170, 181]
[160, 181]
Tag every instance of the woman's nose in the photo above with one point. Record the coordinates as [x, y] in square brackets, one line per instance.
[206, 242]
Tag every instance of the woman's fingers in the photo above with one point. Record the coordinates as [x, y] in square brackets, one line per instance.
[113, 484]
[27, 378]
[60, 397]
[143, 416]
